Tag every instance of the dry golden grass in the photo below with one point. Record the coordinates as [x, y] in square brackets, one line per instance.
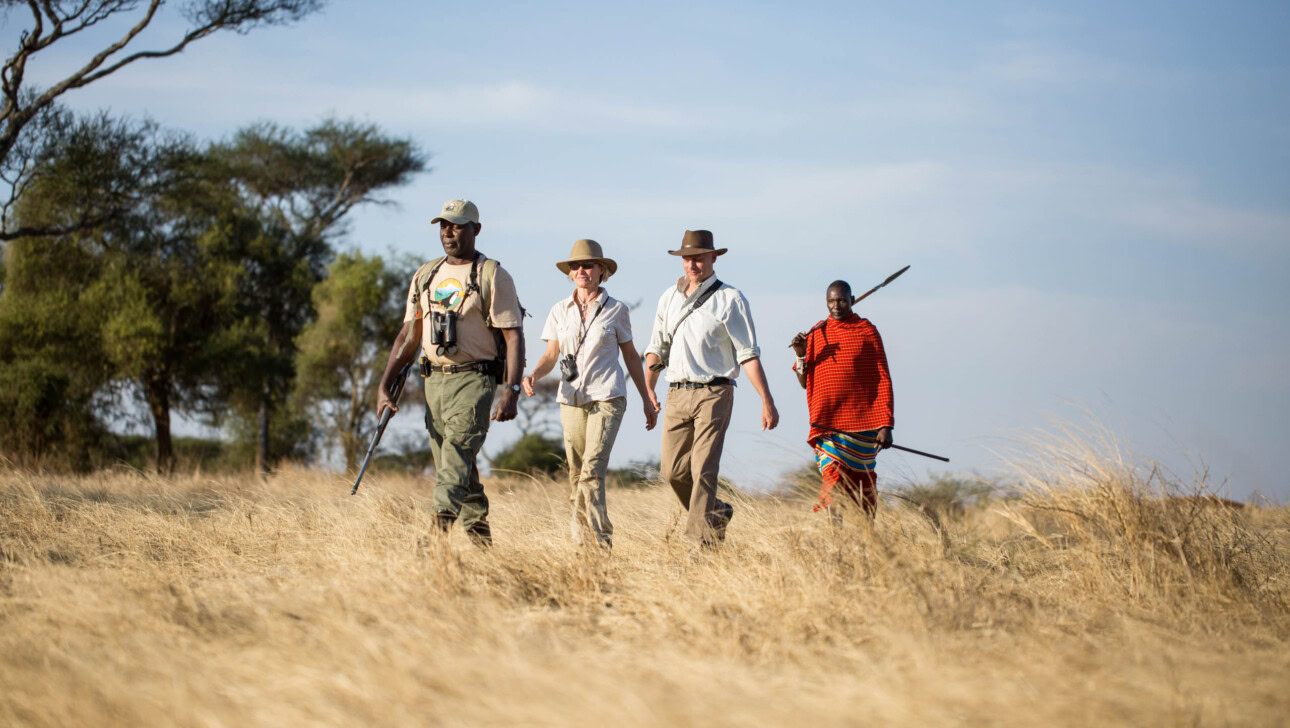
[132, 600]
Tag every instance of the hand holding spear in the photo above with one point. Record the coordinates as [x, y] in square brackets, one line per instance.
[862, 438]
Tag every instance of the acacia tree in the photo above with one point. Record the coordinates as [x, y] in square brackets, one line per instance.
[301, 186]
[136, 298]
[50, 22]
[344, 350]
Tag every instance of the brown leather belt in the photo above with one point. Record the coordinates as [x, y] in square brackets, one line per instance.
[716, 382]
[484, 366]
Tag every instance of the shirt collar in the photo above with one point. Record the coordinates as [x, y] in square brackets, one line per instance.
[601, 295]
[682, 283]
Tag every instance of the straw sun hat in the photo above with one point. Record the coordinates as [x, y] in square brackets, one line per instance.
[588, 250]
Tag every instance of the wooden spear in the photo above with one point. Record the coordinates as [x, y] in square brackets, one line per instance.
[862, 438]
[890, 278]
[855, 300]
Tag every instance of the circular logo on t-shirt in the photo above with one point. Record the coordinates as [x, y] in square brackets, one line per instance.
[449, 293]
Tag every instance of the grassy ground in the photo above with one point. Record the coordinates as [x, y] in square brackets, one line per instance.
[132, 600]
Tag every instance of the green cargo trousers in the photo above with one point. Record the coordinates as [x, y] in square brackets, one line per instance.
[457, 409]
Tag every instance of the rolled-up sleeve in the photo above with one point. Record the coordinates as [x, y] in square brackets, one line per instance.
[739, 327]
[656, 336]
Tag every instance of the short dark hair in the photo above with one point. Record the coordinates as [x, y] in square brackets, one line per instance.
[840, 285]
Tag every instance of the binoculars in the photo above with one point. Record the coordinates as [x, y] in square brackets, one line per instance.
[443, 332]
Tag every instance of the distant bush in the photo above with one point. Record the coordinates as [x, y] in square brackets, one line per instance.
[637, 474]
[532, 453]
[191, 454]
[950, 495]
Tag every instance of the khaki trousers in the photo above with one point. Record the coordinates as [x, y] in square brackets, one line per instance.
[694, 431]
[589, 434]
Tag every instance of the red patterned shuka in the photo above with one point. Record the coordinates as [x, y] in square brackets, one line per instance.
[848, 388]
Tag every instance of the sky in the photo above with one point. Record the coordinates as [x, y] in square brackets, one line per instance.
[1094, 198]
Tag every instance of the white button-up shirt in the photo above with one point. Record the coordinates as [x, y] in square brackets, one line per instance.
[600, 376]
[712, 341]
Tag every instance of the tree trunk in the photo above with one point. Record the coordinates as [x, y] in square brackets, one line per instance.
[262, 438]
[158, 393]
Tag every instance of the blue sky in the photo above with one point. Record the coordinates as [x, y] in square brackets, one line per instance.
[1094, 199]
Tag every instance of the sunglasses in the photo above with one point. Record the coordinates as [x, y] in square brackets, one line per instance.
[582, 265]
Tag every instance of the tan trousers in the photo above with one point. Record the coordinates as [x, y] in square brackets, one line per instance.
[694, 431]
[589, 433]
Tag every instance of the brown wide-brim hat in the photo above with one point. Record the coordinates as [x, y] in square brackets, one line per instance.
[586, 249]
[697, 242]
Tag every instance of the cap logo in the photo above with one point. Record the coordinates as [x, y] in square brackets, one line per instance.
[450, 207]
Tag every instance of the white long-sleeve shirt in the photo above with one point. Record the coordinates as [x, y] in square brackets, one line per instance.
[712, 341]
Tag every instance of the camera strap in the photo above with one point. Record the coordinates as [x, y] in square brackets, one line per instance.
[586, 327]
[698, 302]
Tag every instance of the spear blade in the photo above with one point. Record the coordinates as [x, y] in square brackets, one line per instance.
[890, 278]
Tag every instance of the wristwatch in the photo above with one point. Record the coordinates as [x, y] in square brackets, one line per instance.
[514, 388]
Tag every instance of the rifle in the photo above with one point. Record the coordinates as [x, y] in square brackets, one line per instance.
[396, 390]
[862, 438]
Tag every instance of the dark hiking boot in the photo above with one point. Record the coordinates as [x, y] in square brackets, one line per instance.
[725, 512]
[444, 520]
[480, 534]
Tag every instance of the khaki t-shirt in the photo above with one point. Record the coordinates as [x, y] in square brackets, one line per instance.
[447, 292]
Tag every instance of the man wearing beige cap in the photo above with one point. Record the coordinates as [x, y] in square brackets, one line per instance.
[463, 319]
[703, 335]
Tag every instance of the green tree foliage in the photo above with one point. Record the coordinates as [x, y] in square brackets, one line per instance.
[26, 112]
[190, 294]
[145, 295]
[300, 185]
[50, 366]
[343, 351]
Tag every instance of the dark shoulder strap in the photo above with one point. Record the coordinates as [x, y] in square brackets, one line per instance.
[702, 299]
[485, 286]
[421, 280]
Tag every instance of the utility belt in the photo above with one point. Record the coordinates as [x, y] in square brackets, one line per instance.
[716, 382]
[483, 366]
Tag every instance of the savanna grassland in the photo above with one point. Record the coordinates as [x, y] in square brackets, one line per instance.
[1089, 599]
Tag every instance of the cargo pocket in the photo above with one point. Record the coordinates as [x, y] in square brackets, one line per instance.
[472, 403]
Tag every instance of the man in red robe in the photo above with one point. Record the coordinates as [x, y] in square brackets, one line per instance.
[843, 368]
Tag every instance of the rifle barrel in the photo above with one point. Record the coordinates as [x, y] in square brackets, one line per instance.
[396, 391]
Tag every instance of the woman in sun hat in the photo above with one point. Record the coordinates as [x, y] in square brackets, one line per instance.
[584, 335]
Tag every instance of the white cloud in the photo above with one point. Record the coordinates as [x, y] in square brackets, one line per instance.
[1210, 225]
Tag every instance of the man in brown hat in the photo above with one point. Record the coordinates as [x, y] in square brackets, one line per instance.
[463, 319]
[703, 335]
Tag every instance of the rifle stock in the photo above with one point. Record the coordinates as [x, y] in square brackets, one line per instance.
[396, 391]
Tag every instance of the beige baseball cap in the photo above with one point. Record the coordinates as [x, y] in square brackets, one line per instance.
[458, 212]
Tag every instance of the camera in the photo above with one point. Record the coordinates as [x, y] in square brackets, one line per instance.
[443, 332]
[568, 368]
